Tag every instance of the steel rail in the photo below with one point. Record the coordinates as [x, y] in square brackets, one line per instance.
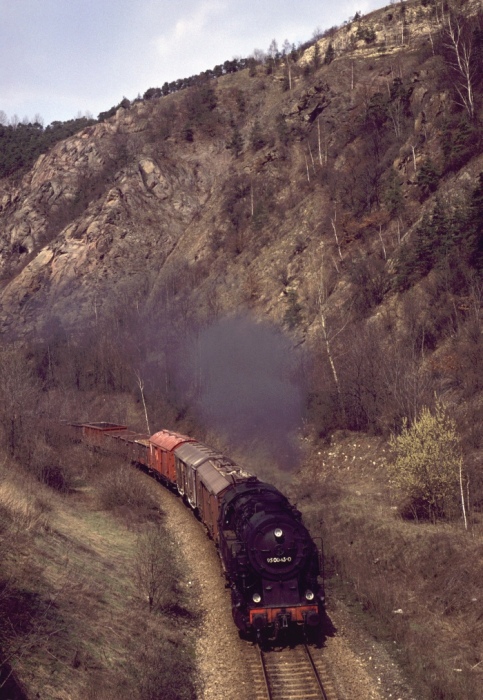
[306, 665]
[265, 674]
[316, 673]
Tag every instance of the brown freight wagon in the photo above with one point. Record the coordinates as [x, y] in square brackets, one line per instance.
[188, 459]
[135, 446]
[212, 481]
[95, 433]
[113, 443]
[203, 475]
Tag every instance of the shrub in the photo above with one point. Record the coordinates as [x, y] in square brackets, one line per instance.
[235, 144]
[393, 196]
[47, 466]
[123, 489]
[293, 312]
[366, 33]
[258, 139]
[473, 228]
[153, 579]
[436, 237]
[369, 277]
[428, 463]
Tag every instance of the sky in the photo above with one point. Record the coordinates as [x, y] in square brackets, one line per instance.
[66, 58]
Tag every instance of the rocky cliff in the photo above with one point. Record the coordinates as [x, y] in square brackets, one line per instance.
[258, 189]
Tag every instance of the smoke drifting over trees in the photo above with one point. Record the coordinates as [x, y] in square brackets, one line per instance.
[245, 373]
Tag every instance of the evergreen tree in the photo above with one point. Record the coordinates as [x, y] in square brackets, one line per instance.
[235, 144]
[428, 178]
[474, 227]
[257, 137]
[329, 54]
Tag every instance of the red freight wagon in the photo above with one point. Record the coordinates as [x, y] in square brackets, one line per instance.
[161, 453]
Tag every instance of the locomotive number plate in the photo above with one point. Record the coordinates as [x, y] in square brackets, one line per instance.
[279, 560]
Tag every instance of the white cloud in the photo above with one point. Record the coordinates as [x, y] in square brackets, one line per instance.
[192, 26]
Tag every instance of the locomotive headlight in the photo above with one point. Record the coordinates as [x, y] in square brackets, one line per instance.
[278, 533]
[309, 595]
[257, 598]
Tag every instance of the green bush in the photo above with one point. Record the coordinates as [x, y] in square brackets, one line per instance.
[366, 33]
[428, 462]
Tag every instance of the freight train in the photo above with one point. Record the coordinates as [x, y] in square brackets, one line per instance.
[271, 563]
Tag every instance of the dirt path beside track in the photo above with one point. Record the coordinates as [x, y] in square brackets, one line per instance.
[221, 671]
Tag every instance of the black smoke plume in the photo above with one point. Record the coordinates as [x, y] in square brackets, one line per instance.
[244, 373]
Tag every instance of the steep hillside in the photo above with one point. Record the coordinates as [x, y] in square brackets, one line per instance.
[322, 172]
[334, 191]
[331, 196]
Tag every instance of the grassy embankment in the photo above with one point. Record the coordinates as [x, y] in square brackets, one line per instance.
[75, 622]
[414, 585]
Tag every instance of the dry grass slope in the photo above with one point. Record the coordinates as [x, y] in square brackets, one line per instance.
[74, 622]
[417, 585]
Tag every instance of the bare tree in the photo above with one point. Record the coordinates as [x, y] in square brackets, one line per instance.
[395, 110]
[19, 397]
[140, 383]
[153, 576]
[259, 55]
[323, 141]
[307, 167]
[286, 50]
[273, 49]
[333, 222]
[329, 334]
[460, 40]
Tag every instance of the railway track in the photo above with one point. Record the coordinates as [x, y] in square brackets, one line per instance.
[296, 673]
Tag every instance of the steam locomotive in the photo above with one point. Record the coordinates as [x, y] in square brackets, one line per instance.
[269, 559]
